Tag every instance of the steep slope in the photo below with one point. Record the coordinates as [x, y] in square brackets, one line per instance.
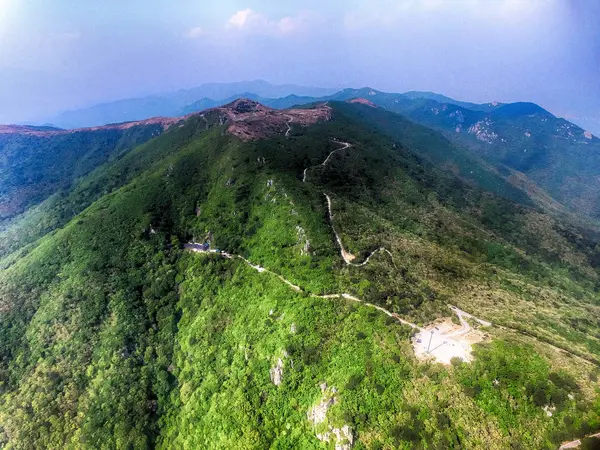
[528, 145]
[558, 156]
[554, 154]
[35, 162]
[74, 194]
[113, 336]
[432, 146]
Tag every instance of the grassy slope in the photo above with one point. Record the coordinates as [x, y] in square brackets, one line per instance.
[111, 337]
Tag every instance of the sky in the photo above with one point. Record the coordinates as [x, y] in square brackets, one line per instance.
[67, 54]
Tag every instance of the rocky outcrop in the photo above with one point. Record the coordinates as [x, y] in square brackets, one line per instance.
[277, 372]
[482, 131]
[342, 436]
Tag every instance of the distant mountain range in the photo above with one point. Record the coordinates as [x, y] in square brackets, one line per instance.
[552, 159]
[172, 104]
[522, 140]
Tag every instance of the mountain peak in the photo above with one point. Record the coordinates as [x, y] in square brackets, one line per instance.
[245, 105]
[249, 119]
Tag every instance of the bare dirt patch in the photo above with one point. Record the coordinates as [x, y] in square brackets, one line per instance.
[250, 120]
[445, 340]
[363, 101]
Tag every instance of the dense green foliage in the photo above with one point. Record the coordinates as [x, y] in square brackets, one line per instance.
[518, 140]
[33, 167]
[111, 336]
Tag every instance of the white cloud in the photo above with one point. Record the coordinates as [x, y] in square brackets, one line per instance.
[195, 32]
[245, 18]
[257, 23]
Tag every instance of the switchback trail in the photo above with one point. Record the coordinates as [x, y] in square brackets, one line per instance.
[346, 255]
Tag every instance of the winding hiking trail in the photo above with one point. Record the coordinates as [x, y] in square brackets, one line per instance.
[289, 128]
[346, 255]
[345, 145]
[198, 248]
[348, 258]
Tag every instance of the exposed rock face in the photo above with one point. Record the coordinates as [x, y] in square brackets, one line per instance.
[588, 134]
[318, 413]
[303, 240]
[247, 119]
[277, 372]
[342, 436]
[482, 131]
[250, 120]
[243, 105]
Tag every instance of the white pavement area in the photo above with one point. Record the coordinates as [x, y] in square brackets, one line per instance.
[445, 340]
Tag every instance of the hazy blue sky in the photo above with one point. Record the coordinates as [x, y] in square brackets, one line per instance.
[61, 54]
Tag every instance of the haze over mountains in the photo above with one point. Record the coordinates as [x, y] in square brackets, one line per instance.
[392, 245]
[214, 94]
[177, 103]
[554, 160]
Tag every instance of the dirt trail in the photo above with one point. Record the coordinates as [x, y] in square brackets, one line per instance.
[346, 255]
[464, 330]
[289, 128]
[345, 145]
[577, 442]
[445, 336]
[195, 247]
[460, 313]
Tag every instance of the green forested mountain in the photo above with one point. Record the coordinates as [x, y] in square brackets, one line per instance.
[556, 161]
[551, 158]
[36, 162]
[113, 335]
[530, 147]
[46, 173]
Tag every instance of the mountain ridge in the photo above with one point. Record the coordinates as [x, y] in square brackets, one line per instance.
[119, 336]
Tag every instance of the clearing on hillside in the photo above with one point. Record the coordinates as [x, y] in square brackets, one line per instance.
[446, 340]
